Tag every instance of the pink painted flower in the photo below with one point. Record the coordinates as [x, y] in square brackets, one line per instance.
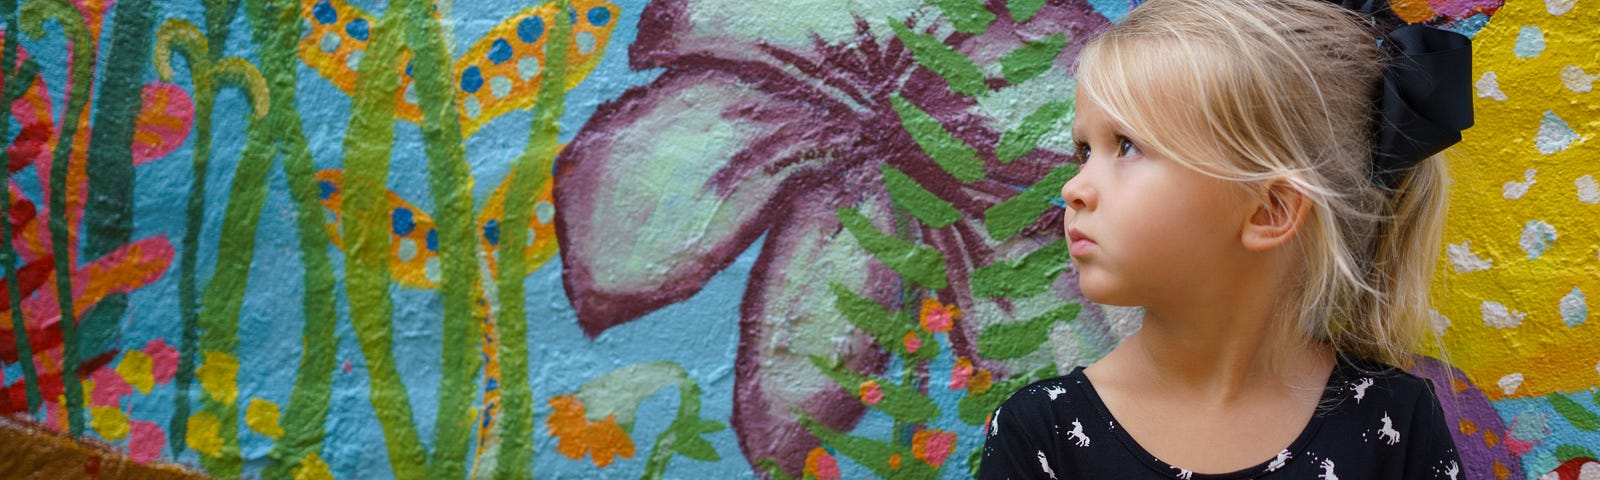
[913, 342]
[821, 465]
[870, 393]
[938, 317]
[145, 441]
[961, 373]
[933, 446]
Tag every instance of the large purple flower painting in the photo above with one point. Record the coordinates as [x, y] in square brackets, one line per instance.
[894, 165]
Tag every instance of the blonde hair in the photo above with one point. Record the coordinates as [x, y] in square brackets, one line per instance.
[1269, 91]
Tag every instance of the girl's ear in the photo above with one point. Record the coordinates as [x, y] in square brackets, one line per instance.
[1277, 218]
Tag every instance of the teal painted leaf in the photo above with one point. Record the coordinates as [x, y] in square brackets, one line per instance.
[887, 328]
[1578, 416]
[923, 204]
[1022, 10]
[904, 403]
[962, 74]
[1014, 340]
[949, 152]
[968, 16]
[1008, 218]
[1032, 58]
[873, 454]
[974, 409]
[920, 265]
[1023, 277]
[1016, 142]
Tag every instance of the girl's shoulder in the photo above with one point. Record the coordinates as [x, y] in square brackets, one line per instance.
[1362, 385]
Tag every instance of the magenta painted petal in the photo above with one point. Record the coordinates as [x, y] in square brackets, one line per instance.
[666, 185]
[789, 315]
[1074, 18]
[731, 29]
[1464, 402]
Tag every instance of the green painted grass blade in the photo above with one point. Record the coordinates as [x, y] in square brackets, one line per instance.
[949, 152]
[921, 265]
[1008, 218]
[925, 205]
[933, 54]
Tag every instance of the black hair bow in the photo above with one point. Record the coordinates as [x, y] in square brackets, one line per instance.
[1425, 101]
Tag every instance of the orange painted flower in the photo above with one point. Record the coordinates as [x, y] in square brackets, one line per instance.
[981, 382]
[933, 446]
[961, 373]
[938, 317]
[913, 342]
[578, 436]
[894, 461]
[821, 466]
[870, 393]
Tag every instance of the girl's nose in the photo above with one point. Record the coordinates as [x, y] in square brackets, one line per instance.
[1077, 193]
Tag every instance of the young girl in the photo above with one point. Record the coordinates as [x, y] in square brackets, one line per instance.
[1260, 177]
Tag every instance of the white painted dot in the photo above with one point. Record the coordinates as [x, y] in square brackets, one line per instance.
[1497, 315]
[585, 43]
[329, 43]
[411, 93]
[1559, 7]
[1515, 190]
[406, 250]
[1588, 189]
[430, 269]
[1554, 134]
[354, 60]
[1574, 308]
[329, 216]
[1510, 383]
[470, 104]
[1536, 238]
[1489, 87]
[528, 67]
[499, 86]
[544, 211]
[1438, 322]
[1576, 80]
[1463, 260]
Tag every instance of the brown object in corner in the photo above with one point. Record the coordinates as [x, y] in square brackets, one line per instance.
[31, 451]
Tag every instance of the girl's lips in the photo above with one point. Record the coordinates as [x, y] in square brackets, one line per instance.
[1080, 243]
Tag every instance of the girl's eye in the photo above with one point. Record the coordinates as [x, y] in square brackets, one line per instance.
[1080, 155]
[1127, 148]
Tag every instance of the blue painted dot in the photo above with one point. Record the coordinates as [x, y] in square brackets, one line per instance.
[530, 29]
[491, 232]
[408, 68]
[500, 51]
[358, 29]
[471, 79]
[572, 16]
[599, 16]
[492, 384]
[433, 240]
[403, 222]
[324, 13]
[327, 189]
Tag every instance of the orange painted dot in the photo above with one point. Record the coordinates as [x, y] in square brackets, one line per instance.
[1467, 427]
[894, 461]
[1490, 439]
[1500, 471]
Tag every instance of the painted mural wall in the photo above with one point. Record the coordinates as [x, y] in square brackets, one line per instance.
[658, 238]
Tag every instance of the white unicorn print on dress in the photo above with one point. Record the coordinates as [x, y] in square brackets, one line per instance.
[1327, 470]
[1045, 464]
[1452, 470]
[994, 423]
[1277, 463]
[1184, 474]
[1055, 391]
[1387, 432]
[1077, 434]
[1361, 388]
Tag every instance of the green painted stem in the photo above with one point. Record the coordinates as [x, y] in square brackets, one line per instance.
[305, 417]
[184, 38]
[19, 77]
[368, 142]
[33, 15]
[537, 157]
[449, 178]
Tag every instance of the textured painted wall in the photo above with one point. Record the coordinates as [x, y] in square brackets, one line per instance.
[749, 239]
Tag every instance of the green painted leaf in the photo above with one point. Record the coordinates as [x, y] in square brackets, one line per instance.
[933, 54]
[949, 152]
[1023, 10]
[697, 448]
[1578, 416]
[1032, 58]
[1568, 452]
[1022, 277]
[1014, 340]
[968, 16]
[904, 403]
[1008, 218]
[923, 204]
[872, 454]
[1024, 138]
[920, 265]
[974, 409]
[887, 328]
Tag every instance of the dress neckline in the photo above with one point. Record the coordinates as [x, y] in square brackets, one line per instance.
[1295, 449]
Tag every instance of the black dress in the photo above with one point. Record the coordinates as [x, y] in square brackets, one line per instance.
[1374, 422]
